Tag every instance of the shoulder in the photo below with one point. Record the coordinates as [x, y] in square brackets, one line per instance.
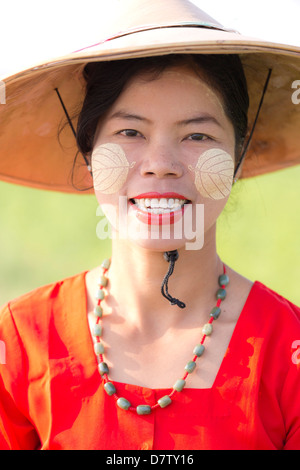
[270, 323]
[49, 292]
[36, 332]
[278, 333]
[273, 323]
[36, 327]
[30, 314]
[271, 306]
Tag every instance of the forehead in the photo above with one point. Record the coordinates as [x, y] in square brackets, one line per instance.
[174, 89]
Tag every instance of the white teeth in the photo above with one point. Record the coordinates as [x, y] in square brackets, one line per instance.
[164, 203]
[154, 204]
[159, 206]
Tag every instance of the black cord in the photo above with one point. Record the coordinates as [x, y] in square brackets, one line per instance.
[254, 123]
[171, 257]
[71, 124]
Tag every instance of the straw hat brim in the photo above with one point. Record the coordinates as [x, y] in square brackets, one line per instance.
[33, 154]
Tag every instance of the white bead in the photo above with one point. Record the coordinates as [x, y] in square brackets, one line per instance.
[99, 348]
[102, 281]
[99, 294]
[105, 264]
[207, 329]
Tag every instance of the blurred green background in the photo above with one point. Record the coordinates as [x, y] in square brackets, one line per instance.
[46, 236]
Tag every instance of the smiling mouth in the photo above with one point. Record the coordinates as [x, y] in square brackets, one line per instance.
[159, 205]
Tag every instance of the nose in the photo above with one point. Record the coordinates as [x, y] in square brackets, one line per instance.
[161, 161]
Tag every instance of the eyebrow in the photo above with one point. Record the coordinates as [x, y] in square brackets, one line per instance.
[201, 119]
[125, 115]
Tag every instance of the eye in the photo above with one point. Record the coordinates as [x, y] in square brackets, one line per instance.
[198, 137]
[129, 133]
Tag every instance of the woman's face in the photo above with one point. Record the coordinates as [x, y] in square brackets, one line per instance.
[163, 151]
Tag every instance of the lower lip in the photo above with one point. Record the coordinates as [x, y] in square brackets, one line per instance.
[157, 219]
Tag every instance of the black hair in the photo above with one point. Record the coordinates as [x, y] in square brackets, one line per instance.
[105, 82]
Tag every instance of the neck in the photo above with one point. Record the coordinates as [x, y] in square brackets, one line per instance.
[136, 275]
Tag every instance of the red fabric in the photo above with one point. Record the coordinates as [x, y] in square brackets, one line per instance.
[51, 393]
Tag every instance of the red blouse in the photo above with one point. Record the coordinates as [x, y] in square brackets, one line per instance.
[52, 397]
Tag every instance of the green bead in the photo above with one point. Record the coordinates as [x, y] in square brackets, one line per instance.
[190, 367]
[143, 409]
[109, 388]
[97, 330]
[164, 401]
[178, 385]
[207, 329]
[105, 264]
[98, 311]
[223, 280]
[102, 281]
[198, 350]
[215, 313]
[123, 403]
[221, 294]
[98, 348]
[103, 368]
[99, 294]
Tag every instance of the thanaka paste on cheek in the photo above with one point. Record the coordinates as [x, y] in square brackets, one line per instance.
[214, 174]
[110, 168]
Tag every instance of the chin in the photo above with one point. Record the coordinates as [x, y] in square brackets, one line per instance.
[156, 238]
[160, 245]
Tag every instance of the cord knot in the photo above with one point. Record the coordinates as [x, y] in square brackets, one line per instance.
[171, 257]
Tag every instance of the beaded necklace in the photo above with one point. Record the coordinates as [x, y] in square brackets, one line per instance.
[109, 387]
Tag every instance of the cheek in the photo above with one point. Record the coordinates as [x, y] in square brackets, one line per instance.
[214, 174]
[110, 168]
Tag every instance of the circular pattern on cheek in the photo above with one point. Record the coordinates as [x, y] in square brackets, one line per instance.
[110, 168]
[214, 174]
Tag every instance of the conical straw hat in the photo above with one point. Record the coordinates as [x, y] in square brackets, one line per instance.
[31, 152]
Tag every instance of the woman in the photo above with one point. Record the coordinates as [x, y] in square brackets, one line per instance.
[187, 353]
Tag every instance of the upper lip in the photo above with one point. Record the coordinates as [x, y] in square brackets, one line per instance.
[156, 195]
